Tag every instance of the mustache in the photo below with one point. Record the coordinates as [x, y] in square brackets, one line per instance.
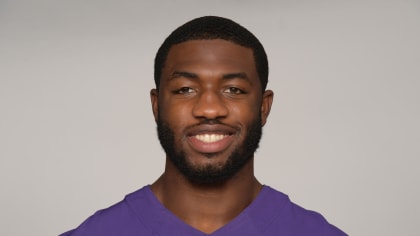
[216, 121]
[210, 122]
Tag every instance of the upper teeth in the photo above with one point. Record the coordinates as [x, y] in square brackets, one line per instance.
[209, 138]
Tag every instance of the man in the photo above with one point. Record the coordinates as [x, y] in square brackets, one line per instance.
[210, 103]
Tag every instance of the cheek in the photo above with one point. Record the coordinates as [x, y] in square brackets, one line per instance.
[245, 112]
[174, 114]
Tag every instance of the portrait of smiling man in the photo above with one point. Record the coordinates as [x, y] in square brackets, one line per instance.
[210, 105]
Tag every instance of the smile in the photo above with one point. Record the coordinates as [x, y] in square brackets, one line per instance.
[210, 142]
[210, 138]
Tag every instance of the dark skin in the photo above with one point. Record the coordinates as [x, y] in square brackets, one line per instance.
[203, 80]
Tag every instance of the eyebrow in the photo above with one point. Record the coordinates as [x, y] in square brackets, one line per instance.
[179, 74]
[240, 75]
[189, 75]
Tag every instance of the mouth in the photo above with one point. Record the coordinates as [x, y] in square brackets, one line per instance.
[211, 139]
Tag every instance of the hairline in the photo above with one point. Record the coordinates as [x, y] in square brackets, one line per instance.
[213, 28]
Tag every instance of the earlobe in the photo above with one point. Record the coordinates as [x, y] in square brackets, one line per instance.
[267, 100]
[154, 98]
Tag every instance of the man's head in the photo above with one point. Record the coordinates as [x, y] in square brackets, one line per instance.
[210, 102]
[213, 27]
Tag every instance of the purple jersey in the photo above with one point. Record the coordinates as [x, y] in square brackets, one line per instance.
[140, 213]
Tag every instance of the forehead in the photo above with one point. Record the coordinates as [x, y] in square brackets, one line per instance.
[214, 55]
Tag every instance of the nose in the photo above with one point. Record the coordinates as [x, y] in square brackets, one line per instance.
[210, 105]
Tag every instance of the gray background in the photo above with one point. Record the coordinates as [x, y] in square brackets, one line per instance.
[77, 132]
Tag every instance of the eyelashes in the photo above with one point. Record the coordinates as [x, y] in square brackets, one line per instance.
[234, 91]
[229, 91]
[184, 90]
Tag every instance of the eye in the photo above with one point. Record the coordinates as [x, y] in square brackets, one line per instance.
[184, 90]
[234, 90]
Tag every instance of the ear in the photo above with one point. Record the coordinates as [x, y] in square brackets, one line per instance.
[267, 100]
[154, 98]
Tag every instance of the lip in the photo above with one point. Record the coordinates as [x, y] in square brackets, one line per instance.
[224, 138]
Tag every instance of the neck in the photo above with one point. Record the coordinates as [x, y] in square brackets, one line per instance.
[206, 207]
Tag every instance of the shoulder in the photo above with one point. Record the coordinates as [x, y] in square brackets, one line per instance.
[289, 218]
[118, 219]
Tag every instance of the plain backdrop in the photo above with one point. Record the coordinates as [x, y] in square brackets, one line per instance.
[77, 132]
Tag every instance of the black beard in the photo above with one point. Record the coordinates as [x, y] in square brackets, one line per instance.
[210, 175]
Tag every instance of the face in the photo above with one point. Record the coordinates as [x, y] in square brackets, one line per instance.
[210, 109]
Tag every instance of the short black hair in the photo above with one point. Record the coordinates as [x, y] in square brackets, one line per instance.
[214, 27]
